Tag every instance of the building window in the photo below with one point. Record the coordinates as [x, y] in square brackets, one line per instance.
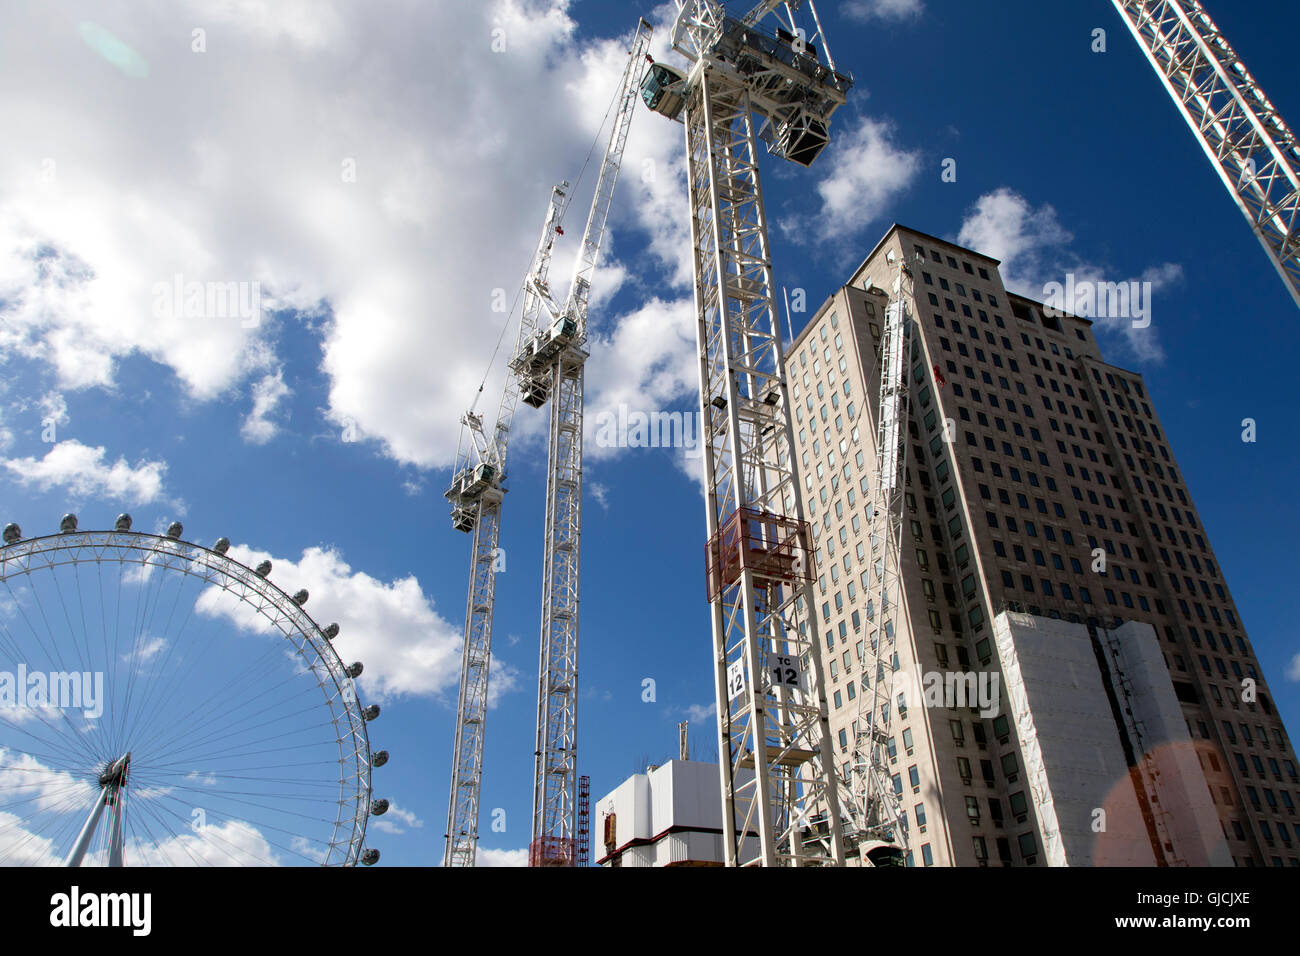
[1028, 845]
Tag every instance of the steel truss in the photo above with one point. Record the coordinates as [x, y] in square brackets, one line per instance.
[476, 496]
[879, 809]
[777, 771]
[555, 804]
[1248, 142]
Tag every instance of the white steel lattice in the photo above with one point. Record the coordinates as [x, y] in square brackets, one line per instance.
[779, 800]
[879, 808]
[476, 656]
[1248, 142]
[554, 823]
[476, 495]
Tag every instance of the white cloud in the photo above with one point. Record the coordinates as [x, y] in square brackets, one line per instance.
[231, 843]
[648, 363]
[54, 408]
[488, 857]
[20, 847]
[267, 394]
[396, 820]
[308, 24]
[1293, 669]
[883, 9]
[82, 470]
[698, 713]
[391, 627]
[864, 170]
[502, 679]
[1035, 249]
[38, 787]
[251, 184]
[1003, 225]
[145, 648]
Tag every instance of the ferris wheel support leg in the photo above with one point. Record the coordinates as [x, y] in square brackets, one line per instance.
[88, 830]
[115, 831]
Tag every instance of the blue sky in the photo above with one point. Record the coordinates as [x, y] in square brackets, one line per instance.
[233, 163]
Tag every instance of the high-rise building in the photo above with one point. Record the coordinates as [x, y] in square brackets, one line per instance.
[1074, 685]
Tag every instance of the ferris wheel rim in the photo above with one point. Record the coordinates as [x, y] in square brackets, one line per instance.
[215, 568]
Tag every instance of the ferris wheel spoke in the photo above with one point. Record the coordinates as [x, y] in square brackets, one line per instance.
[219, 754]
[223, 725]
[131, 670]
[52, 654]
[143, 624]
[57, 817]
[138, 819]
[36, 712]
[161, 696]
[260, 825]
[83, 741]
[238, 796]
[212, 837]
[44, 795]
[65, 749]
[176, 838]
[183, 726]
[210, 746]
[83, 631]
[161, 775]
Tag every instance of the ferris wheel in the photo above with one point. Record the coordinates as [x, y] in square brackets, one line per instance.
[163, 704]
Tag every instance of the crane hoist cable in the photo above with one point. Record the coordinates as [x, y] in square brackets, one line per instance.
[559, 228]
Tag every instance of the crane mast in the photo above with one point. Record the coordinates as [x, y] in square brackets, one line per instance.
[1247, 141]
[878, 809]
[476, 494]
[551, 367]
[779, 799]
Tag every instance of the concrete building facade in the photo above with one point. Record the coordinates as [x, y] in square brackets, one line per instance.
[1075, 683]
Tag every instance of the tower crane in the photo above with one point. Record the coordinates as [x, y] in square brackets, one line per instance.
[1247, 141]
[751, 78]
[476, 494]
[881, 827]
[550, 367]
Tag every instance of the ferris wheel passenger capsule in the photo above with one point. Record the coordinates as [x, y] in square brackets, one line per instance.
[379, 758]
[331, 631]
[300, 598]
[13, 533]
[379, 807]
[123, 523]
[369, 857]
[222, 545]
[263, 569]
[371, 712]
[354, 669]
[175, 529]
[68, 524]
